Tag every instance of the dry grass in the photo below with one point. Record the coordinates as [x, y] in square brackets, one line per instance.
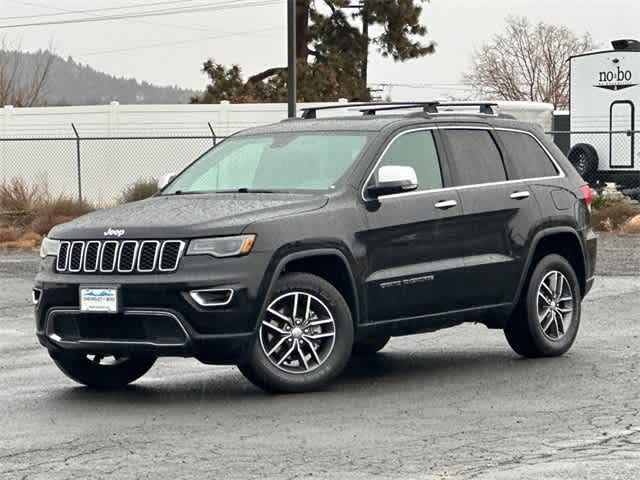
[28, 212]
[613, 213]
[631, 226]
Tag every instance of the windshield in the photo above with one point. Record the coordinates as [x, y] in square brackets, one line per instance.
[277, 162]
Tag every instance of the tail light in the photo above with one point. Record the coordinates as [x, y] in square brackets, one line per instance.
[587, 195]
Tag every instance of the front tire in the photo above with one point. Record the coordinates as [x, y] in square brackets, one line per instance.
[304, 339]
[546, 322]
[103, 371]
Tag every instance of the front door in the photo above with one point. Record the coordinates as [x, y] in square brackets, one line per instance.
[621, 135]
[414, 241]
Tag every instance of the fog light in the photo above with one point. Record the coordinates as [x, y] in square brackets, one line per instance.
[36, 293]
[212, 297]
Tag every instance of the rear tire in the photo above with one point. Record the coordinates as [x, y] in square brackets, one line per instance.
[304, 339]
[370, 345]
[94, 372]
[584, 159]
[545, 323]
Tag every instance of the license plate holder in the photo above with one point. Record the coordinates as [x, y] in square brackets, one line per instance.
[96, 299]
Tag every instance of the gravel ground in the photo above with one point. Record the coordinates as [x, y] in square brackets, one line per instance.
[618, 254]
[456, 404]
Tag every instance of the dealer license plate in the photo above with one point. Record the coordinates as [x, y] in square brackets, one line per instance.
[103, 300]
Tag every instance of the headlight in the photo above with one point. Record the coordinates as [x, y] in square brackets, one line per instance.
[222, 246]
[49, 247]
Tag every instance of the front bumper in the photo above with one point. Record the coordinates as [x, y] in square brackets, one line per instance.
[219, 334]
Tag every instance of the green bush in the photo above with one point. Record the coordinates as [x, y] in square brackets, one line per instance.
[139, 191]
[606, 201]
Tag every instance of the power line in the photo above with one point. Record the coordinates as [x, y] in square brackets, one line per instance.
[193, 28]
[178, 42]
[92, 10]
[154, 13]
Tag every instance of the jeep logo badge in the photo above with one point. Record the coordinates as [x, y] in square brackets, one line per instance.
[114, 233]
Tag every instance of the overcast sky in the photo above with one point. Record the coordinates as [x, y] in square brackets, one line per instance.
[169, 50]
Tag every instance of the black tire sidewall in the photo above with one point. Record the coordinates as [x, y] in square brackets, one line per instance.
[80, 369]
[544, 345]
[590, 160]
[263, 373]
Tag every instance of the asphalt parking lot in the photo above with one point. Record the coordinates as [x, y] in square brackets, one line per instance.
[454, 404]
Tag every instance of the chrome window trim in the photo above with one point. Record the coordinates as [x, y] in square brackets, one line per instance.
[384, 152]
[133, 260]
[155, 256]
[56, 338]
[561, 173]
[70, 254]
[178, 257]
[195, 295]
[115, 256]
[86, 248]
[66, 259]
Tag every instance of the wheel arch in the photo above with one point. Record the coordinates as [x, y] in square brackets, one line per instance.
[331, 264]
[563, 241]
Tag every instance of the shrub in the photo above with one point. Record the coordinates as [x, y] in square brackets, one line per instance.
[28, 212]
[139, 191]
[8, 234]
[605, 201]
[16, 196]
[57, 210]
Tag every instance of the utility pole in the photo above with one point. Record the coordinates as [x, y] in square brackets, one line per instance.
[365, 59]
[292, 80]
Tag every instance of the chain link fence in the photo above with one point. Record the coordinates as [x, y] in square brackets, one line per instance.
[97, 169]
[604, 156]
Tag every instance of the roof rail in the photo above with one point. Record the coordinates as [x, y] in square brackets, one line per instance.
[486, 108]
[371, 108]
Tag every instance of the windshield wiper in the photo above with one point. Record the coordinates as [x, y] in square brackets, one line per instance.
[254, 190]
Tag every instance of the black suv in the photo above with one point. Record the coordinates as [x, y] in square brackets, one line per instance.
[287, 247]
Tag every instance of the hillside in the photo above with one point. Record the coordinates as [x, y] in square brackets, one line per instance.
[72, 83]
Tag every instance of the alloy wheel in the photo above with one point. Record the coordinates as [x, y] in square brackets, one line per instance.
[555, 305]
[298, 332]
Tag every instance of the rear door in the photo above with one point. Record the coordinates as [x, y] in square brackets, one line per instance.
[621, 136]
[498, 215]
[414, 241]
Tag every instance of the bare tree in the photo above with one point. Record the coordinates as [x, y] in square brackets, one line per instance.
[527, 62]
[22, 84]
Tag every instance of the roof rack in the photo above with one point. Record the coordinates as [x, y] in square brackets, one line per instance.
[371, 108]
[309, 113]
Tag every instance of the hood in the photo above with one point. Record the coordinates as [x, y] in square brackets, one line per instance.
[186, 216]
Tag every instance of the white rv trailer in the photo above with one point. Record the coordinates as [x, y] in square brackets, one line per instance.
[605, 105]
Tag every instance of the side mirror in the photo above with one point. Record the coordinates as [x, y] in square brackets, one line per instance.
[393, 179]
[165, 180]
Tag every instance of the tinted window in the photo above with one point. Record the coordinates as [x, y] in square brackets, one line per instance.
[476, 158]
[526, 158]
[417, 150]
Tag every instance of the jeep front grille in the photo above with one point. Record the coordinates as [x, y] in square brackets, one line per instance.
[125, 256]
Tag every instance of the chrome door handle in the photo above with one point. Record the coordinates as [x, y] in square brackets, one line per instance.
[520, 195]
[446, 204]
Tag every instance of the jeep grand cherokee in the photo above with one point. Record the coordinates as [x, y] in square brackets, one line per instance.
[287, 248]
